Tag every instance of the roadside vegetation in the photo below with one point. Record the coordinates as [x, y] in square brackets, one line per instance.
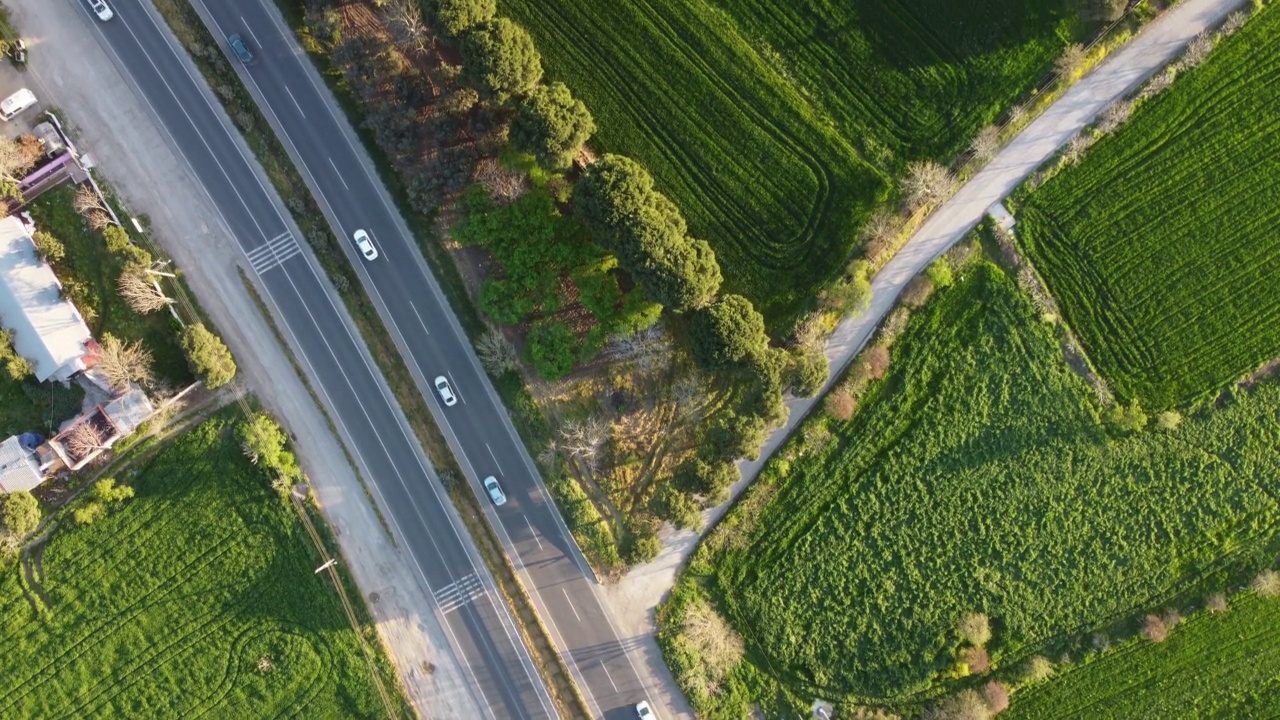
[183, 586]
[1160, 262]
[961, 509]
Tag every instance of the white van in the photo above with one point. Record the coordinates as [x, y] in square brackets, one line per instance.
[16, 103]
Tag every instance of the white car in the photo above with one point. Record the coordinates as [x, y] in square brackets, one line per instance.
[366, 245]
[492, 487]
[643, 712]
[446, 393]
[101, 10]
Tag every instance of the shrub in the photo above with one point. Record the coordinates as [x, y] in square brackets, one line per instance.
[1216, 603]
[809, 371]
[939, 273]
[996, 696]
[500, 59]
[727, 333]
[640, 546]
[678, 507]
[49, 248]
[840, 404]
[1155, 629]
[1266, 584]
[108, 492]
[974, 628]
[1070, 62]
[1128, 419]
[716, 643]
[208, 356]
[1037, 669]
[551, 124]
[19, 513]
[1168, 420]
[871, 364]
[453, 17]
[89, 513]
[553, 348]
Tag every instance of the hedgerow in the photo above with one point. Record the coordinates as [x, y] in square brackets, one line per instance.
[1162, 261]
[776, 125]
[976, 477]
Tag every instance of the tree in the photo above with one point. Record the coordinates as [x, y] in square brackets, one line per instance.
[809, 371]
[89, 513]
[965, 705]
[16, 366]
[840, 404]
[1070, 62]
[453, 17]
[551, 124]
[20, 513]
[712, 480]
[985, 144]
[84, 440]
[879, 234]
[1129, 419]
[124, 362]
[676, 506]
[495, 352]
[15, 160]
[108, 491]
[1037, 669]
[49, 248]
[141, 295]
[641, 544]
[208, 355]
[974, 628]
[500, 60]
[264, 443]
[996, 696]
[553, 348]
[1266, 584]
[584, 440]
[926, 182]
[735, 436]
[405, 19]
[1155, 629]
[727, 334]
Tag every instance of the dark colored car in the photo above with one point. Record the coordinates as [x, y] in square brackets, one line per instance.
[241, 49]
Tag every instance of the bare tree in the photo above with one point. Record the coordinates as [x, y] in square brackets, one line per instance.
[1017, 115]
[547, 456]
[996, 696]
[122, 362]
[926, 181]
[985, 144]
[97, 220]
[84, 440]
[1158, 83]
[495, 352]
[1266, 584]
[583, 441]
[1114, 116]
[1070, 62]
[1074, 151]
[87, 201]
[141, 295]
[1154, 629]
[879, 234]
[1197, 51]
[503, 184]
[1216, 603]
[646, 347]
[405, 19]
[965, 705]
[1234, 22]
[14, 159]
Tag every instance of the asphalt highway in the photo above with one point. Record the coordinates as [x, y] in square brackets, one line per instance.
[290, 93]
[503, 677]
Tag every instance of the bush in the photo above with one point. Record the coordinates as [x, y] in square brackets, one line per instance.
[728, 333]
[116, 238]
[1155, 629]
[552, 348]
[840, 404]
[939, 273]
[208, 356]
[108, 492]
[1168, 420]
[1266, 584]
[89, 513]
[551, 124]
[917, 292]
[1216, 603]
[453, 17]
[809, 372]
[974, 628]
[1037, 669]
[500, 59]
[19, 513]
[641, 546]
[49, 248]
[678, 507]
[735, 436]
[1128, 419]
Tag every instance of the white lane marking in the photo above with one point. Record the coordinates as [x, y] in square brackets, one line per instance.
[337, 172]
[533, 532]
[248, 29]
[495, 461]
[606, 674]
[239, 151]
[295, 101]
[571, 607]
[420, 322]
[458, 392]
[459, 593]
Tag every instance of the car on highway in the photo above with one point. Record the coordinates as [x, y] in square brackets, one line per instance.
[240, 48]
[366, 245]
[101, 9]
[643, 712]
[446, 392]
[492, 487]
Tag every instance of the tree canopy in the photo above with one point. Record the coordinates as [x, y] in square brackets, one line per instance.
[20, 513]
[728, 333]
[552, 124]
[454, 17]
[500, 59]
[208, 355]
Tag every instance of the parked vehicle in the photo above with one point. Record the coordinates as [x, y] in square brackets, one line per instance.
[11, 106]
[492, 487]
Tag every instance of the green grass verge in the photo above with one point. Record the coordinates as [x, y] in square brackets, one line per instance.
[1213, 666]
[776, 126]
[975, 477]
[166, 606]
[1163, 263]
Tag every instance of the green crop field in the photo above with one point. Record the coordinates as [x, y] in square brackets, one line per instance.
[776, 125]
[1215, 666]
[164, 608]
[1161, 246]
[977, 477]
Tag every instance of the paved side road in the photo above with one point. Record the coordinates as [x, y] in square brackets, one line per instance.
[70, 69]
[634, 599]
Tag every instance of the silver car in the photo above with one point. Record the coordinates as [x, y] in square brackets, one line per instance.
[492, 487]
[366, 245]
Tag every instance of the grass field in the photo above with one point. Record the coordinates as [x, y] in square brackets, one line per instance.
[1163, 261]
[166, 607]
[776, 125]
[1215, 666]
[977, 477]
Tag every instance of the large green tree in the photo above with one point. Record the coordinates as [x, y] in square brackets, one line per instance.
[454, 17]
[208, 355]
[20, 513]
[728, 333]
[500, 59]
[552, 124]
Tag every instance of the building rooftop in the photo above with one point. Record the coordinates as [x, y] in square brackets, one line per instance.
[17, 467]
[47, 330]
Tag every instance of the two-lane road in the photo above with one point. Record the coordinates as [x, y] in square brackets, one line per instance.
[433, 343]
[504, 681]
